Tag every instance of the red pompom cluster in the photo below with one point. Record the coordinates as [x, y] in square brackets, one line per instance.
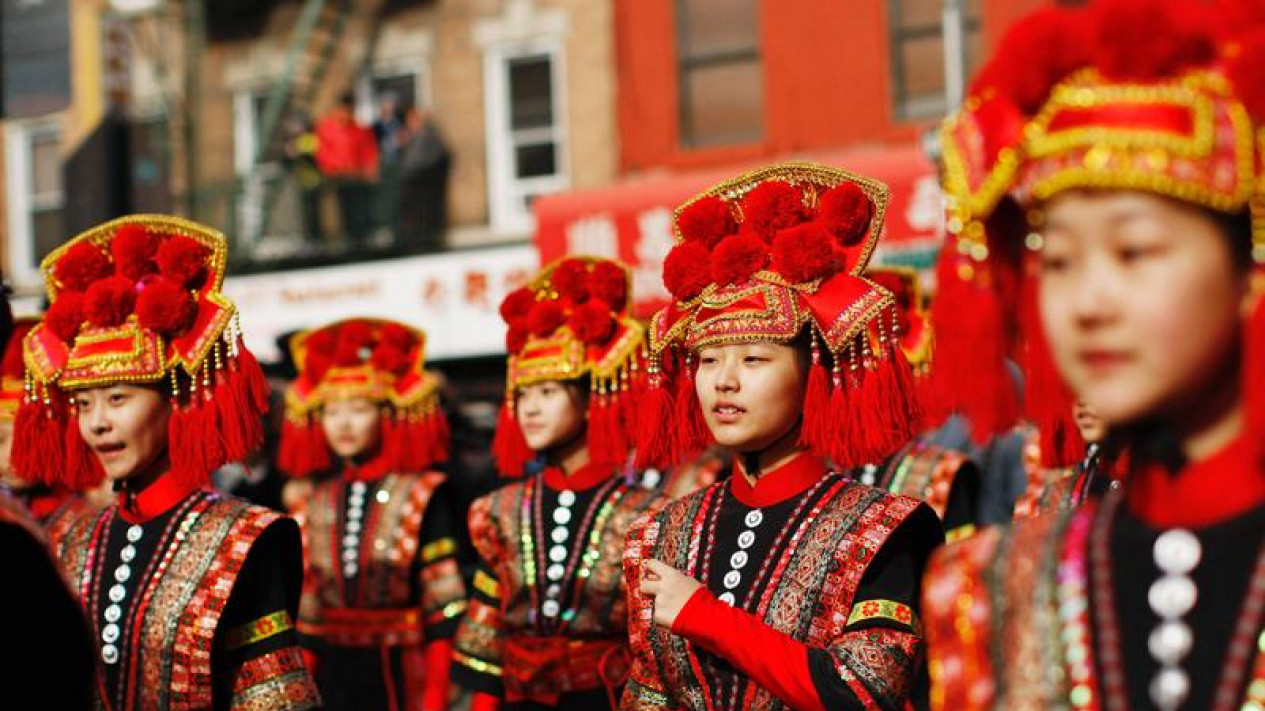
[65, 316]
[1036, 53]
[593, 323]
[166, 308]
[12, 365]
[389, 348]
[134, 248]
[771, 206]
[1243, 67]
[516, 338]
[804, 253]
[355, 344]
[685, 270]
[517, 305]
[545, 318]
[1146, 40]
[738, 258]
[609, 283]
[110, 301]
[846, 211]
[183, 260]
[707, 221]
[81, 266]
[390, 358]
[571, 281]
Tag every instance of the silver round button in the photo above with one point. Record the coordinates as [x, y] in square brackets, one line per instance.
[746, 539]
[353, 526]
[557, 554]
[1169, 688]
[1172, 596]
[110, 633]
[566, 498]
[349, 556]
[382, 496]
[123, 572]
[732, 578]
[551, 608]
[738, 560]
[727, 598]
[354, 513]
[351, 540]
[562, 516]
[1177, 552]
[128, 553]
[110, 654]
[358, 487]
[651, 478]
[555, 572]
[1170, 642]
[754, 518]
[554, 590]
[134, 533]
[349, 571]
[113, 613]
[559, 534]
[117, 593]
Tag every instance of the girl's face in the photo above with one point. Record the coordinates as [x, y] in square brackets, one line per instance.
[1141, 301]
[126, 426]
[551, 414]
[752, 394]
[351, 426]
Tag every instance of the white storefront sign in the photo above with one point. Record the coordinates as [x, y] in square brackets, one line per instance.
[454, 297]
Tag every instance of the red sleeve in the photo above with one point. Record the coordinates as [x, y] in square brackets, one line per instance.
[770, 658]
[435, 682]
[484, 702]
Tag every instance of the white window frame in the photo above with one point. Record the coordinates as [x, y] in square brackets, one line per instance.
[19, 134]
[506, 194]
[366, 111]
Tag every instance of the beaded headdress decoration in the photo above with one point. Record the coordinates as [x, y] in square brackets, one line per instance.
[913, 320]
[12, 370]
[573, 321]
[1163, 97]
[383, 361]
[137, 300]
[773, 256]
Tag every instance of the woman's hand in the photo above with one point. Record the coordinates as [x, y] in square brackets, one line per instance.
[668, 588]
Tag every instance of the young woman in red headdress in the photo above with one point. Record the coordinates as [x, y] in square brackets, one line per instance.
[789, 585]
[138, 375]
[1135, 150]
[546, 628]
[382, 594]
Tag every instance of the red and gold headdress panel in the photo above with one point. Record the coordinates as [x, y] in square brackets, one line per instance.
[137, 300]
[572, 321]
[12, 371]
[771, 256]
[913, 320]
[383, 361]
[1163, 96]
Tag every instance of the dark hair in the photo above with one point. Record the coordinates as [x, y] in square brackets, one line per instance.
[347, 99]
[1237, 227]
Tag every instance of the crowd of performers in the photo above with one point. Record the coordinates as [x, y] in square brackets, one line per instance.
[799, 485]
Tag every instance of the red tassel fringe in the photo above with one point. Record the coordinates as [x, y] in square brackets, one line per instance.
[817, 409]
[82, 469]
[693, 435]
[39, 453]
[1048, 403]
[654, 427]
[509, 446]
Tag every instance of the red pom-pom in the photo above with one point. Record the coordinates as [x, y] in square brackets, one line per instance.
[183, 260]
[609, 283]
[515, 339]
[571, 280]
[593, 323]
[684, 270]
[321, 342]
[804, 253]
[1037, 52]
[545, 318]
[389, 358]
[110, 301]
[134, 248]
[707, 220]
[517, 305]
[65, 316]
[397, 336]
[772, 206]
[737, 258]
[1243, 67]
[354, 344]
[81, 266]
[166, 308]
[1145, 40]
[846, 211]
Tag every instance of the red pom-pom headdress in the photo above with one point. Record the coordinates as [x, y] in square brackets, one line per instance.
[572, 320]
[1163, 96]
[383, 361]
[13, 371]
[121, 312]
[799, 238]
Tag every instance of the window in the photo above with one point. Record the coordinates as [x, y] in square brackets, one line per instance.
[918, 62]
[526, 139]
[248, 113]
[721, 82]
[36, 197]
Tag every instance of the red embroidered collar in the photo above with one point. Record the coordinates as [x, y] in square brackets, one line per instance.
[1218, 488]
[774, 487]
[157, 498]
[582, 479]
[368, 470]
